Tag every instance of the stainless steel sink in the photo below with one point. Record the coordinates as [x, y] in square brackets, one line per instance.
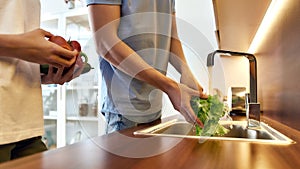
[238, 132]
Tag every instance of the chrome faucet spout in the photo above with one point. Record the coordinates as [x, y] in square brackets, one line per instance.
[253, 68]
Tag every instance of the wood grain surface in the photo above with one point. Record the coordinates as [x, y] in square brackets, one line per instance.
[126, 151]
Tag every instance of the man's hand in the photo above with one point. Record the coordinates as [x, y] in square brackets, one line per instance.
[180, 96]
[188, 79]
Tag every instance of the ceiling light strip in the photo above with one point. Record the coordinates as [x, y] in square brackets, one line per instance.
[271, 15]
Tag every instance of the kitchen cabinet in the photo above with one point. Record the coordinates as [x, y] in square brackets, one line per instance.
[70, 110]
[237, 22]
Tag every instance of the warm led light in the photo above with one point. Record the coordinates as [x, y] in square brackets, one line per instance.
[273, 11]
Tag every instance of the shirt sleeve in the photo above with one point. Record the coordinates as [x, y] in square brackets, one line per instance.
[110, 2]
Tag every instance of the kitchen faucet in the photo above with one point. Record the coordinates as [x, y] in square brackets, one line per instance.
[253, 69]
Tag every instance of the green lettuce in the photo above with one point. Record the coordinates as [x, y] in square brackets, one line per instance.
[209, 111]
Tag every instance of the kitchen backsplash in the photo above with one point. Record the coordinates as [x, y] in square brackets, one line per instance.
[278, 68]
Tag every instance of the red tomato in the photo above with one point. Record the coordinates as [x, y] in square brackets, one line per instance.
[70, 45]
[60, 41]
[75, 45]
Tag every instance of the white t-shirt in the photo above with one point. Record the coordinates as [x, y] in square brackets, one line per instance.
[21, 106]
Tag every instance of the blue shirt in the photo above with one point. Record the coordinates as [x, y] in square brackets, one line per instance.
[145, 26]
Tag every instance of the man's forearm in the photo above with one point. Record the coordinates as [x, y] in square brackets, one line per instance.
[128, 61]
[177, 58]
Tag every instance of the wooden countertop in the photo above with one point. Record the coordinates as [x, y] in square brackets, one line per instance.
[125, 151]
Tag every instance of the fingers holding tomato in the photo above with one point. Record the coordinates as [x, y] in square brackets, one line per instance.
[60, 41]
[75, 45]
[79, 66]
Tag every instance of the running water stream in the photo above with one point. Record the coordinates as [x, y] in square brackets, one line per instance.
[210, 73]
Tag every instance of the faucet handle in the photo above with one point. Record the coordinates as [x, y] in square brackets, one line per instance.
[253, 117]
[252, 112]
[247, 100]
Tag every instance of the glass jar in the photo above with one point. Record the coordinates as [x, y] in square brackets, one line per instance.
[83, 107]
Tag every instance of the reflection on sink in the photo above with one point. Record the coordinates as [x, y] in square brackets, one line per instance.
[238, 132]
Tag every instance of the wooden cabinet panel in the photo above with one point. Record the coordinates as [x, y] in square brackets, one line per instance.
[237, 22]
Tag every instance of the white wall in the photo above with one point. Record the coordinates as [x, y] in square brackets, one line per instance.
[196, 26]
[200, 14]
[231, 71]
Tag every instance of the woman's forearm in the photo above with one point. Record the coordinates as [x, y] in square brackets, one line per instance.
[8, 43]
[34, 47]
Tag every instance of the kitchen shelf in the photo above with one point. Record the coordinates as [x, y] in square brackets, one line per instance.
[76, 118]
[50, 117]
[64, 99]
[82, 88]
[49, 87]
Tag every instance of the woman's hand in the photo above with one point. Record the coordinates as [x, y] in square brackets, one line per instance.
[61, 75]
[34, 47]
